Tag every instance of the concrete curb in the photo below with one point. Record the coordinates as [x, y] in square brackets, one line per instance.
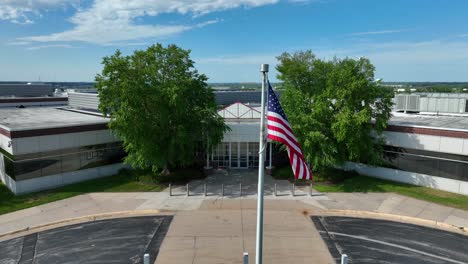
[400, 218]
[77, 220]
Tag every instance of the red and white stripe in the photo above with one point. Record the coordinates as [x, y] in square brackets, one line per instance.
[280, 130]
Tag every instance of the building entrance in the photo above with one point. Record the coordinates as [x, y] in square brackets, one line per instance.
[235, 155]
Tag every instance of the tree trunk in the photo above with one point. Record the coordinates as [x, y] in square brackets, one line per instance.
[166, 170]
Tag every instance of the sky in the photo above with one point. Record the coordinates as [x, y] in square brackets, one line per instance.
[65, 40]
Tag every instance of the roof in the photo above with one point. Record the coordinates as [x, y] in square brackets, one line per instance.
[240, 111]
[455, 123]
[34, 118]
[230, 97]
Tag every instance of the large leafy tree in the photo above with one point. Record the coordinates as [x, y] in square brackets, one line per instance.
[336, 108]
[159, 105]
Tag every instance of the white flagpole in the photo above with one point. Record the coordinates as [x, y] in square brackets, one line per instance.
[261, 171]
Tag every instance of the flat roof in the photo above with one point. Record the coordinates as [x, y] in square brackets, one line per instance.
[34, 118]
[12, 99]
[455, 123]
[451, 123]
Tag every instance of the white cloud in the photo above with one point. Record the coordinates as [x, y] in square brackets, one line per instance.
[430, 52]
[127, 44]
[50, 46]
[395, 61]
[303, 1]
[18, 43]
[108, 33]
[380, 32]
[21, 11]
[109, 21]
[420, 61]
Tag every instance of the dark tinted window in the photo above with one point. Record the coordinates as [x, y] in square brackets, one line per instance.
[44, 165]
[70, 162]
[427, 162]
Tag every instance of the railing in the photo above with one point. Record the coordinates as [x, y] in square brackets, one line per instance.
[236, 189]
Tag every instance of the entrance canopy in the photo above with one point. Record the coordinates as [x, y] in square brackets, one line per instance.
[240, 146]
[241, 111]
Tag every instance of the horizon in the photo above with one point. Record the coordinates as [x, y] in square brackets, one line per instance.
[208, 82]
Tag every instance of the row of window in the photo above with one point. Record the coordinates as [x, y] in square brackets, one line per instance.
[428, 162]
[55, 164]
[235, 155]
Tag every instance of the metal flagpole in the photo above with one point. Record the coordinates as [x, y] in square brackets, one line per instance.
[261, 171]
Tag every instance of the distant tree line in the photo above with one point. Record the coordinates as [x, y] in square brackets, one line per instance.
[430, 87]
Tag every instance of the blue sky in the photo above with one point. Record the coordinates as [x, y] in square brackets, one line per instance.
[65, 40]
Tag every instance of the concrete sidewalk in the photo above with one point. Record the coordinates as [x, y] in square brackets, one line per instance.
[99, 203]
[221, 230]
[216, 229]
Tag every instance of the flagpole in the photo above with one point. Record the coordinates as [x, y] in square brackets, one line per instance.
[261, 171]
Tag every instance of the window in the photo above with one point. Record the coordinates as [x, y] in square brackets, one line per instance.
[52, 163]
[221, 155]
[427, 162]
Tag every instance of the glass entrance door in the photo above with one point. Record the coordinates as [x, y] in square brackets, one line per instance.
[253, 155]
[243, 154]
[234, 154]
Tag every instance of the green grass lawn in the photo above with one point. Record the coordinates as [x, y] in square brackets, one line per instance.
[341, 181]
[124, 181]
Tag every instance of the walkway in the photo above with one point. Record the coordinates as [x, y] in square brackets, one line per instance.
[214, 229]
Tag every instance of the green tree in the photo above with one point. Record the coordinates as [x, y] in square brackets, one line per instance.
[160, 106]
[335, 107]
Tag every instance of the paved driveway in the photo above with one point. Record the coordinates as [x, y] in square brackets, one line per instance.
[381, 241]
[123, 240]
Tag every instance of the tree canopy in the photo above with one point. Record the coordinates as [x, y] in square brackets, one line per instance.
[159, 105]
[337, 110]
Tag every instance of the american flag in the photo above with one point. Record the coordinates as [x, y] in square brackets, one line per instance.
[280, 130]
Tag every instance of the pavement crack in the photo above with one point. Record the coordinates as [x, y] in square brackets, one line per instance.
[194, 249]
[29, 249]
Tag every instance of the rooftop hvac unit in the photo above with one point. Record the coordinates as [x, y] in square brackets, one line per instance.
[405, 102]
[400, 102]
[83, 100]
[412, 103]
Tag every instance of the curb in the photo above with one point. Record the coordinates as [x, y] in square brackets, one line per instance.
[400, 218]
[80, 219]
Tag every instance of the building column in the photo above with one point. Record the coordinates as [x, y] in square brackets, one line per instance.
[230, 143]
[247, 155]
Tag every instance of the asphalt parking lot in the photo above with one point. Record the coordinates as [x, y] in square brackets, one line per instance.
[122, 240]
[380, 241]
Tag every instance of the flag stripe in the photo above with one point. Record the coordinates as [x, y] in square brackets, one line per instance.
[294, 165]
[285, 140]
[290, 142]
[280, 130]
[301, 174]
[282, 126]
[275, 117]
